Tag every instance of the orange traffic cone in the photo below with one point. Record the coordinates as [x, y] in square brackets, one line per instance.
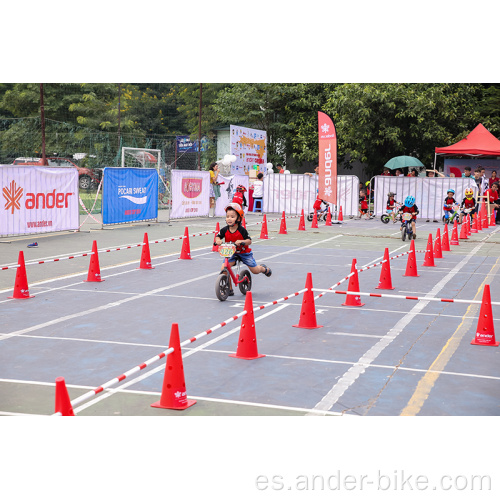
[94, 273]
[215, 247]
[283, 225]
[328, 217]
[473, 228]
[308, 310]
[385, 281]
[353, 300]
[145, 255]
[463, 231]
[314, 224]
[247, 344]
[429, 253]
[186, 249]
[302, 224]
[341, 217]
[21, 290]
[454, 234]
[438, 253]
[445, 242]
[411, 265]
[263, 231]
[173, 394]
[485, 331]
[63, 404]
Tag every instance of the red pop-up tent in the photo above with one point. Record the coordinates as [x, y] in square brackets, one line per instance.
[480, 142]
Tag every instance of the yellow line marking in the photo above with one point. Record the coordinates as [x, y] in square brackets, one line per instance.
[427, 382]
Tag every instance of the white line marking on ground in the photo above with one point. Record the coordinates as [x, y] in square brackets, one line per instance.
[367, 359]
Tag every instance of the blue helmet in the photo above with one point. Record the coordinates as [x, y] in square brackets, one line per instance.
[409, 201]
[452, 191]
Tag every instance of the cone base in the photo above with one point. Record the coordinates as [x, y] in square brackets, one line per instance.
[353, 305]
[494, 344]
[308, 327]
[385, 288]
[190, 402]
[428, 265]
[245, 357]
[282, 232]
[28, 297]
[145, 267]
[412, 275]
[93, 281]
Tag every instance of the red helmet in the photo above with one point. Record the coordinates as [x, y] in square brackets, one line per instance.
[241, 188]
[237, 208]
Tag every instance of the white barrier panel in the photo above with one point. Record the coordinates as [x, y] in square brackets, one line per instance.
[293, 193]
[429, 192]
[38, 199]
[190, 193]
[227, 191]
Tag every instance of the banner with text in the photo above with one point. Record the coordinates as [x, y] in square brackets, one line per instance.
[327, 138]
[129, 194]
[190, 193]
[227, 191]
[38, 199]
[250, 148]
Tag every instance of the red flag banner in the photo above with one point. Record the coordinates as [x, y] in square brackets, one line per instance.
[327, 138]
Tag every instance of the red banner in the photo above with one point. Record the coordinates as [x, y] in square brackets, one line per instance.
[327, 138]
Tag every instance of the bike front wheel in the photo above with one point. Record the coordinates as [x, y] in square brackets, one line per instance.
[403, 233]
[222, 287]
[246, 284]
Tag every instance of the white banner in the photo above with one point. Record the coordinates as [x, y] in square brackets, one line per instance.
[429, 192]
[293, 193]
[250, 148]
[38, 199]
[190, 193]
[227, 191]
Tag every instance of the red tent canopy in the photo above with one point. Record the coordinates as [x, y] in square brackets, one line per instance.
[479, 142]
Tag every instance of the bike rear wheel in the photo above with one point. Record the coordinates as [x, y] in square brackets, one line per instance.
[385, 218]
[222, 287]
[246, 285]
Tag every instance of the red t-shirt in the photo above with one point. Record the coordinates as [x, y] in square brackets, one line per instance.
[411, 210]
[493, 195]
[240, 234]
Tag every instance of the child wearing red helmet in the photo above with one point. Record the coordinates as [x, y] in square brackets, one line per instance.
[239, 196]
[235, 233]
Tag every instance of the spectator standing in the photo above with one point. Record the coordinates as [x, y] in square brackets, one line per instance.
[386, 172]
[467, 173]
[258, 189]
[493, 178]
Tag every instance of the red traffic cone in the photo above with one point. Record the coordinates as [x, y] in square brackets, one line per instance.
[454, 234]
[186, 249]
[263, 231]
[94, 273]
[478, 218]
[438, 253]
[328, 217]
[302, 224]
[145, 255]
[247, 343]
[385, 281]
[21, 290]
[485, 331]
[63, 404]
[411, 265]
[173, 394]
[283, 225]
[469, 232]
[308, 311]
[314, 224]
[429, 253]
[473, 228]
[463, 231]
[215, 248]
[445, 242]
[353, 300]
[492, 218]
[341, 217]
[484, 219]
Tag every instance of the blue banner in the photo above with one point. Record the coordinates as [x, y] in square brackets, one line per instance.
[129, 194]
[186, 145]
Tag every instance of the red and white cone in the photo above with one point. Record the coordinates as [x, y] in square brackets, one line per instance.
[21, 290]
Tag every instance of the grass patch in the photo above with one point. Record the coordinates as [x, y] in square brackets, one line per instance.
[88, 198]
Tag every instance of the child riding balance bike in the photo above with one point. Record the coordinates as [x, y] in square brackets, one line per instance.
[450, 207]
[237, 237]
[409, 213]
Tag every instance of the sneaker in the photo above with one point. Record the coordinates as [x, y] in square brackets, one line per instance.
[34, 244]
[267, 271]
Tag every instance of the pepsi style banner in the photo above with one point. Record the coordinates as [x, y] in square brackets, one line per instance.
[129, 195]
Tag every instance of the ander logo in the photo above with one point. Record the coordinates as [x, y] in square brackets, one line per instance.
[12, 196]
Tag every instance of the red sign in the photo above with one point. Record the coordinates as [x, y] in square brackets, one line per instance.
[191, 187]
[327, 138]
